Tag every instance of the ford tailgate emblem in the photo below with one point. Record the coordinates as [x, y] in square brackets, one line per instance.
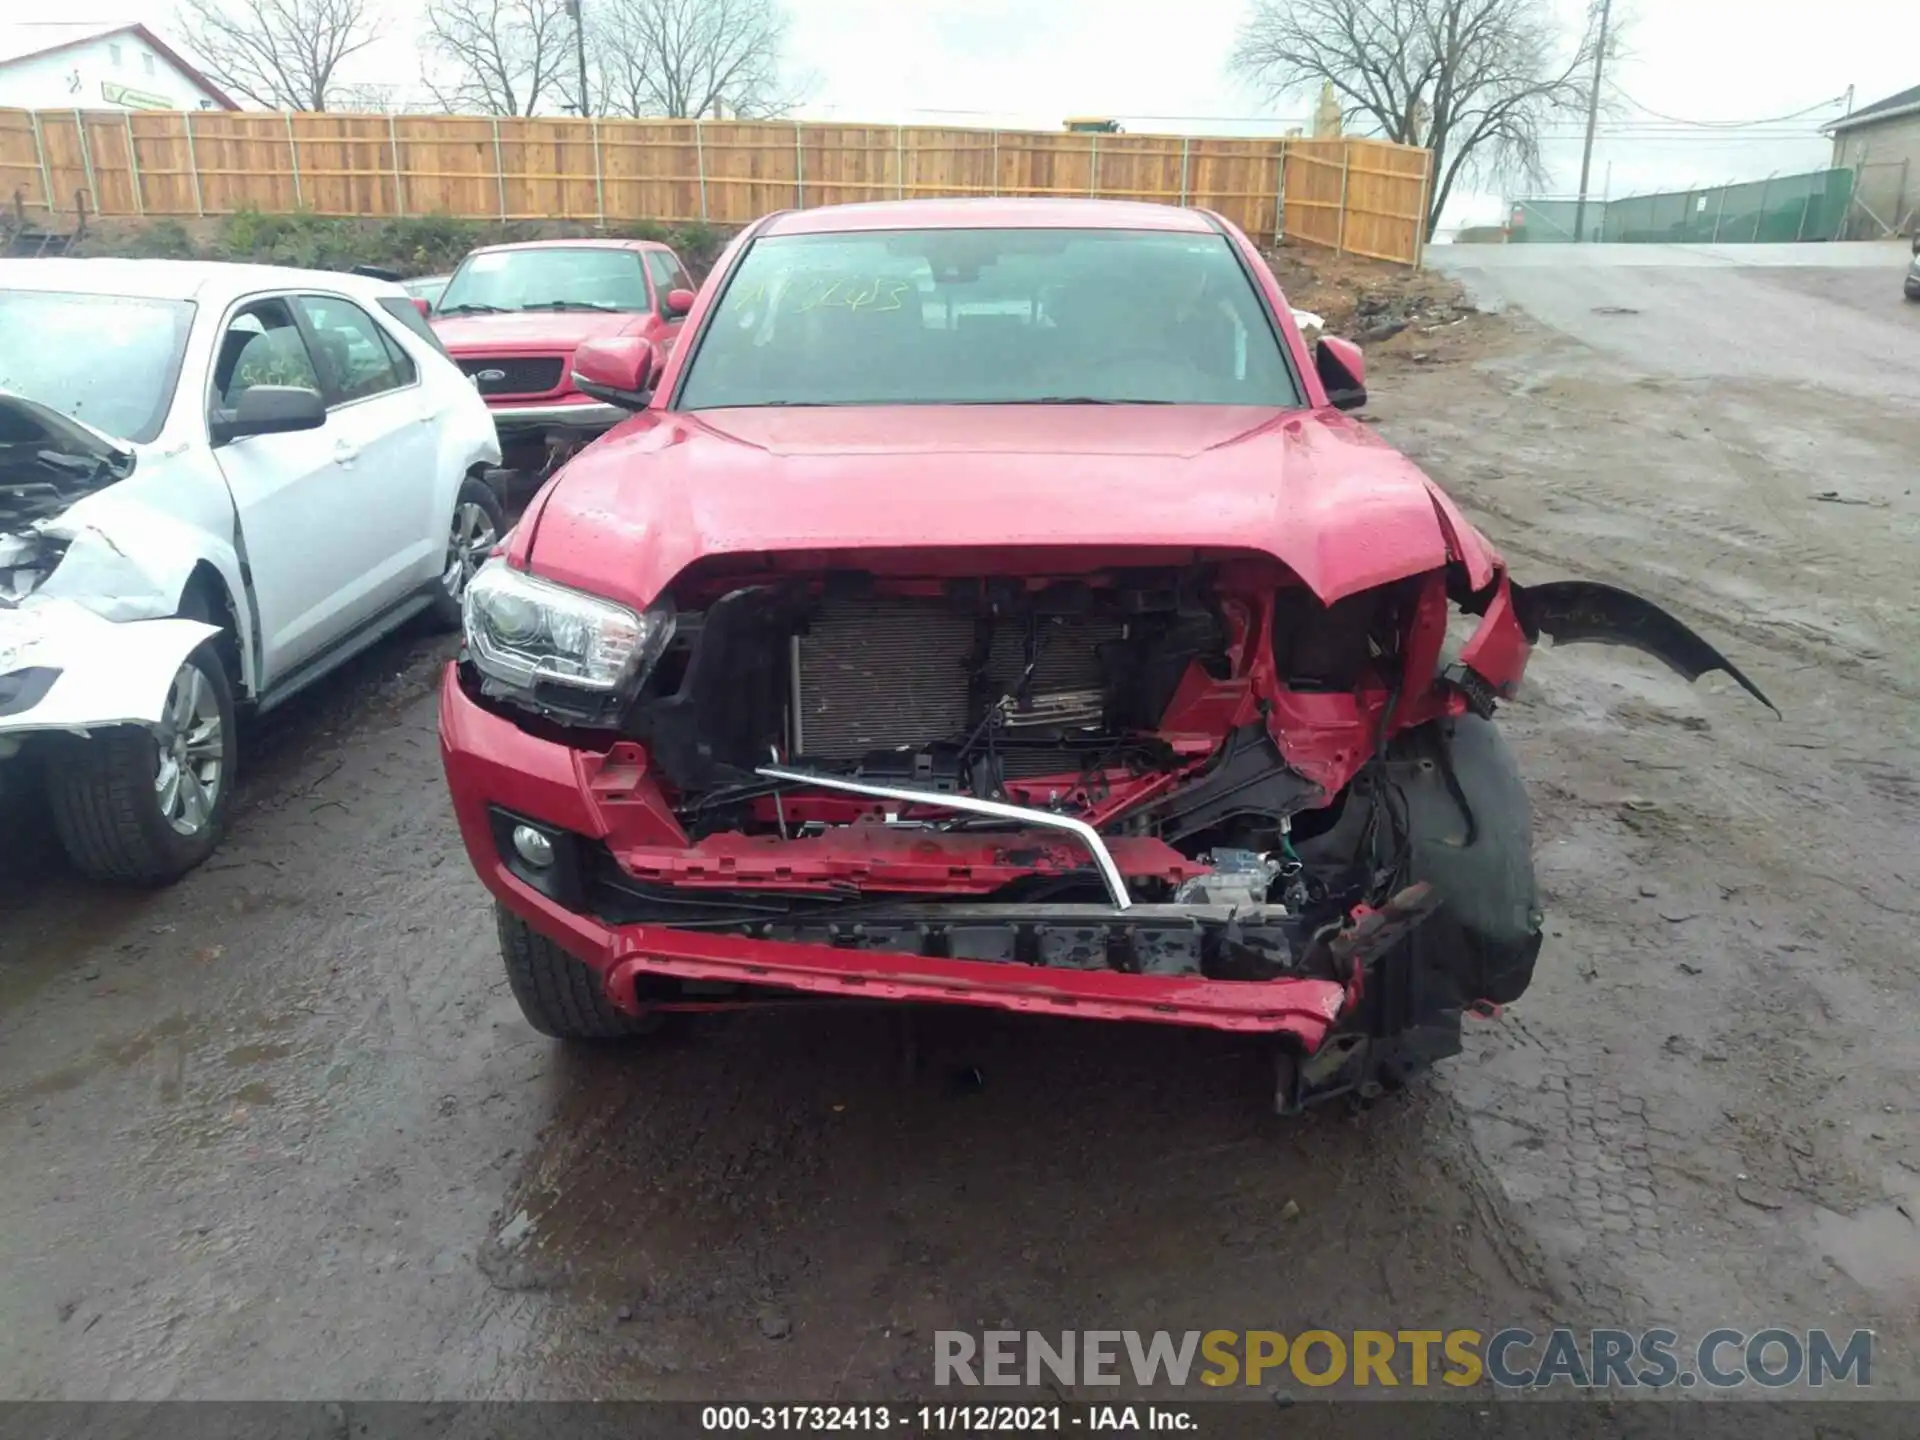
[489, 376]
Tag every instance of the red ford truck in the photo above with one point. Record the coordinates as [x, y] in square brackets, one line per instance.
[512, 315]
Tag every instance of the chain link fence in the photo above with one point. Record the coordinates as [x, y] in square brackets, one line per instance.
[1779, 209]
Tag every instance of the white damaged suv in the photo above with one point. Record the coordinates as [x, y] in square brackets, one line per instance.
[217, 483]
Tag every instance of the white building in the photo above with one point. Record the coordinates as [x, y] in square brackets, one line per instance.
[58, 65]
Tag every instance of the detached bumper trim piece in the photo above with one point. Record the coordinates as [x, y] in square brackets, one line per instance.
[1087, 835]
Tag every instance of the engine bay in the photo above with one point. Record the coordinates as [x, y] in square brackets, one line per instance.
[959, 686]
[1120, 700]
[44, 469]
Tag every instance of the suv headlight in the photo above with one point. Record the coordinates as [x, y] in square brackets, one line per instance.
[528, 634]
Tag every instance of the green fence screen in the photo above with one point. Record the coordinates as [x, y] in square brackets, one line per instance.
[1782, 208]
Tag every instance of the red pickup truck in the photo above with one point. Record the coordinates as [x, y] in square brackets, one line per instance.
[512, 315]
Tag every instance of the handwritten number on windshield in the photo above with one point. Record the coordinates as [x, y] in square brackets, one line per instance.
[855, 295]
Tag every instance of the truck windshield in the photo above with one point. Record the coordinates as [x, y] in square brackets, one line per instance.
[110, 361]
[557, 278]
[946, 317]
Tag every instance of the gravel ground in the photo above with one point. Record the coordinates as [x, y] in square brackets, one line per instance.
[279, 1131]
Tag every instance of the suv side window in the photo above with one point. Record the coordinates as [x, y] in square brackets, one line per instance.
[262, 346]
[404, 312]
[352, 350]
[402, 362]
[667, 275]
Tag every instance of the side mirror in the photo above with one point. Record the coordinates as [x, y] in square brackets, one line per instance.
[269, 410]
[679, 302]
[618, 370]
[420, 304]
[1342, 371]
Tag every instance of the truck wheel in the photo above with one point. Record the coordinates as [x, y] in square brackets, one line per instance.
[141, 806]
[478, 523]
[559, 995]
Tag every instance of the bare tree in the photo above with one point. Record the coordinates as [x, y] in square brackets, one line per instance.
[283, 54]
[690, 58]
[500, 57]
[1474, 81]
[372, 98]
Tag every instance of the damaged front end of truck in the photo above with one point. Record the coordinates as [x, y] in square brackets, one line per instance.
[1118, 784]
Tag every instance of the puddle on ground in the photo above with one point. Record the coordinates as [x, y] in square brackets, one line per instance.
[1877, 1247]
[108, 1054]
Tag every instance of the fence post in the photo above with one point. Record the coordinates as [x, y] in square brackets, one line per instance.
[393, 151]
[1340, 235]
[293, 159]
[1093, 166]
[86, 160]
[1185, 145]
[40, 154]
[193, 165]
[994, 179]
[700, 164]
[899, 164]
[1806, 202]
[1420, 210]
[799, 169]
[1280, 192]
[1718, 210]
[133, 169]
[499, 171]
[1760, 218]
[599, 178]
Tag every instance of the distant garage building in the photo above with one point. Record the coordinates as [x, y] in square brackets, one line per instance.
[1880, 143]
[58, 64]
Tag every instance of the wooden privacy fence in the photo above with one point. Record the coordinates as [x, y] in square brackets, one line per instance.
[1362, 196]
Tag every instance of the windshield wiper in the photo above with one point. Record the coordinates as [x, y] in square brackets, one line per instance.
[469, 308]
[571, 305]
[1078, 400]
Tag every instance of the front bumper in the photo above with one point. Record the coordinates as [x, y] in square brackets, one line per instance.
[64, 668]
[498, 772]
[593, 416]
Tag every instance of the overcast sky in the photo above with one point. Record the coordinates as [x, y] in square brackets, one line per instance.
[1034, 62]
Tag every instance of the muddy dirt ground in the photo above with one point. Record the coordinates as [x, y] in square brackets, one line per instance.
[279, 1130]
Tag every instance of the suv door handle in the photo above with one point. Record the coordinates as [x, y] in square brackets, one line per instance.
[345, 452]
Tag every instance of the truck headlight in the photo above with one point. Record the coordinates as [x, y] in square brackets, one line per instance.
[523, 633]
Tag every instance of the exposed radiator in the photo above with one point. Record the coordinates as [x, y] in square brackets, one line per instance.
[882, 674]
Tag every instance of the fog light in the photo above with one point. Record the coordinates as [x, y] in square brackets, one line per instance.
[534, 847]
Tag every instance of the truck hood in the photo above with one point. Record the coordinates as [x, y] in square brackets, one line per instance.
[530, 330]
[1315, 490]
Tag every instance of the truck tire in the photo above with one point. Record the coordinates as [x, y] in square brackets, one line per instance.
[559, 995]
[112, 808]
[478, 522]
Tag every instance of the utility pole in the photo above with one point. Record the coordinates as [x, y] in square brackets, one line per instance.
[580, 51]
[1593, 117]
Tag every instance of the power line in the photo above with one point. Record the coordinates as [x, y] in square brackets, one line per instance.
[1725, 124]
